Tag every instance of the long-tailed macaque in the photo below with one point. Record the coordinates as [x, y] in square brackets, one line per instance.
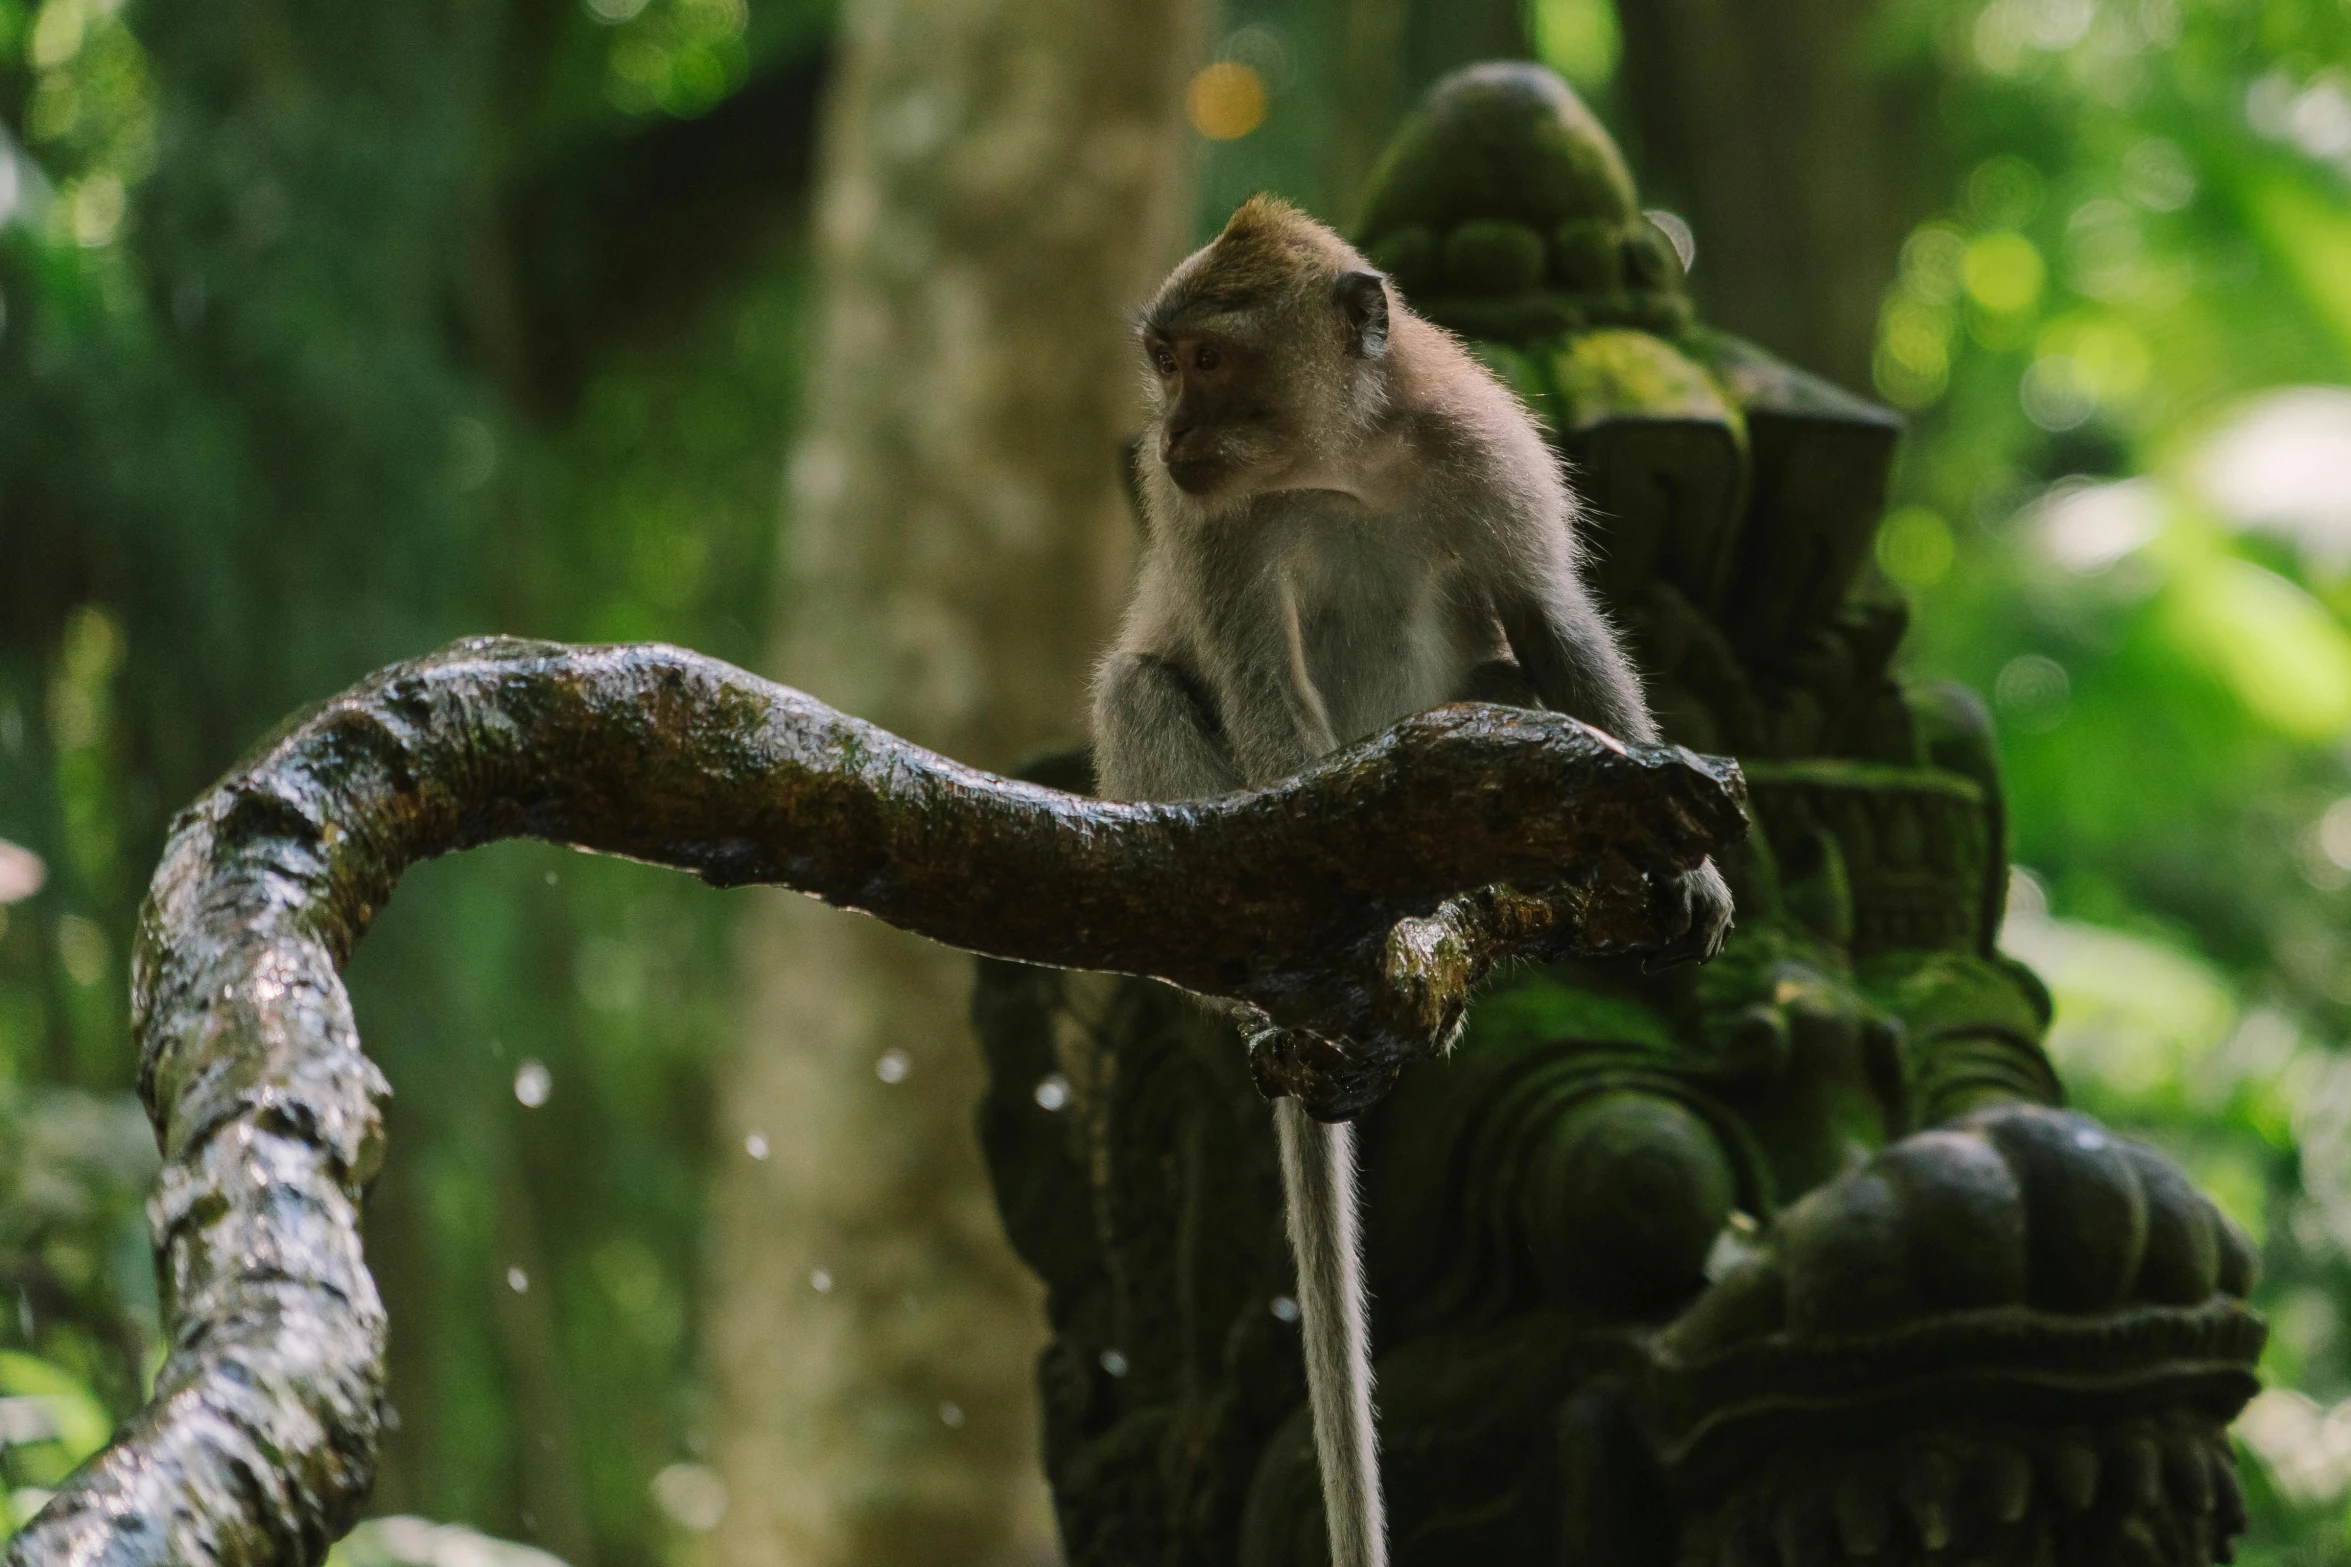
[1348, 520]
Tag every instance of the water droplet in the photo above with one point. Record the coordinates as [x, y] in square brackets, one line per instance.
[893, 1066]
[550, 878]
[756, 1145]
[820, 1281]
[951, 1416]
[1114, 1362]
[1285, 1309]
[533, 1083]
[1052, 1092]
[517, 1280]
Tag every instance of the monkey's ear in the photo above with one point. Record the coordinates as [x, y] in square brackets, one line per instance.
[1363, 301]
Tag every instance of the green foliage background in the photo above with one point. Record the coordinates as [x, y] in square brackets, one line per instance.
[2149, 239]
[330, 333]
[302, 372]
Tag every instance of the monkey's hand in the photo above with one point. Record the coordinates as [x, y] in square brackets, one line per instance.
[1698, 911]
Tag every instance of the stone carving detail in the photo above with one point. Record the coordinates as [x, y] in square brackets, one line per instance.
[1793, 1259]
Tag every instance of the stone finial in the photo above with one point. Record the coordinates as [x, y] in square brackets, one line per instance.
[1503, 209]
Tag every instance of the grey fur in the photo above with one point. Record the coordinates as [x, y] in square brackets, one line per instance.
[1318, 1181]
[1372, 525]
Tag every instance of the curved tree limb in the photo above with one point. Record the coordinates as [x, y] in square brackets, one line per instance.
[1342, 904]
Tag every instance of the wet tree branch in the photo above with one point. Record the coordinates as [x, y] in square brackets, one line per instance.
[1345, 904]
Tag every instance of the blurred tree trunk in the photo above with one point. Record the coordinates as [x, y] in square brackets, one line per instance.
[1800, 166]
[999, 185]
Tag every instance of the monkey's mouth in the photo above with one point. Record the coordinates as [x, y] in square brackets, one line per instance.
[1196, 475]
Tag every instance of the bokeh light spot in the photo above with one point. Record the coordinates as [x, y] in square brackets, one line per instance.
[2054, 394]
[693, 1495]
[1915, 548]
[97, 210]
[2032, 691]
[2158, 176]
[2003, 272]
[81, 947]
[1580, 39]
[2334, 833]
[2003, 192]
[21, 872]
[1931, 262]
[57, 36]
[1226, 100]
[1912, 365]
[2088, 528]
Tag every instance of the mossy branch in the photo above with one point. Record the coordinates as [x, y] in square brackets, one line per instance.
[1343, 904]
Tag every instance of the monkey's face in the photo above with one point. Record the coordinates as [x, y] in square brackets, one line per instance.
[1216, 424]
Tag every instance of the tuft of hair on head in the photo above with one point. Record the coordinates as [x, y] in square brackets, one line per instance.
[1266, 249]
[1266, 228]
[1266, 212]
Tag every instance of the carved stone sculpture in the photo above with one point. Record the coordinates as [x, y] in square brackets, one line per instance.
[1792, 1259]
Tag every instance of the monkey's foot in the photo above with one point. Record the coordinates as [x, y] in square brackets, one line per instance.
[1697, 905]
[1429, 964]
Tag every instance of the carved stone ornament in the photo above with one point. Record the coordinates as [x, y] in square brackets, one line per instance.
[1792, 1260]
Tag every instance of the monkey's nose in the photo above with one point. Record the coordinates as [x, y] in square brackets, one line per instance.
[1184, 443]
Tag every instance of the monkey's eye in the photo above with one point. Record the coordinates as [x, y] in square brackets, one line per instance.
[1206, 358]
[1163, 361]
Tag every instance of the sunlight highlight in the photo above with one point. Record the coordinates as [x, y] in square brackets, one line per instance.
[1226, 101]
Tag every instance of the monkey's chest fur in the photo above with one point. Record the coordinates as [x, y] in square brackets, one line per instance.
[1344, 615]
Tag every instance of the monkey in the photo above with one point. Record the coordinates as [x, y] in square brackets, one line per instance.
[1347, 520]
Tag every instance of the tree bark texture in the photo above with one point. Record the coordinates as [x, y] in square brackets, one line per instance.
[999, 184]
[259, 1444]
[1799, 165]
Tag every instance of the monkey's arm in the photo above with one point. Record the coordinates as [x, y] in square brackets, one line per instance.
[1275, 720]
[1156, 734]
[1570, 652]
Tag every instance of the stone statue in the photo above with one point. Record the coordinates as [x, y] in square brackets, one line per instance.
[1792, 1259]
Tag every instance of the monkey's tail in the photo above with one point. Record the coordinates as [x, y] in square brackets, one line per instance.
[1318, 1188]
